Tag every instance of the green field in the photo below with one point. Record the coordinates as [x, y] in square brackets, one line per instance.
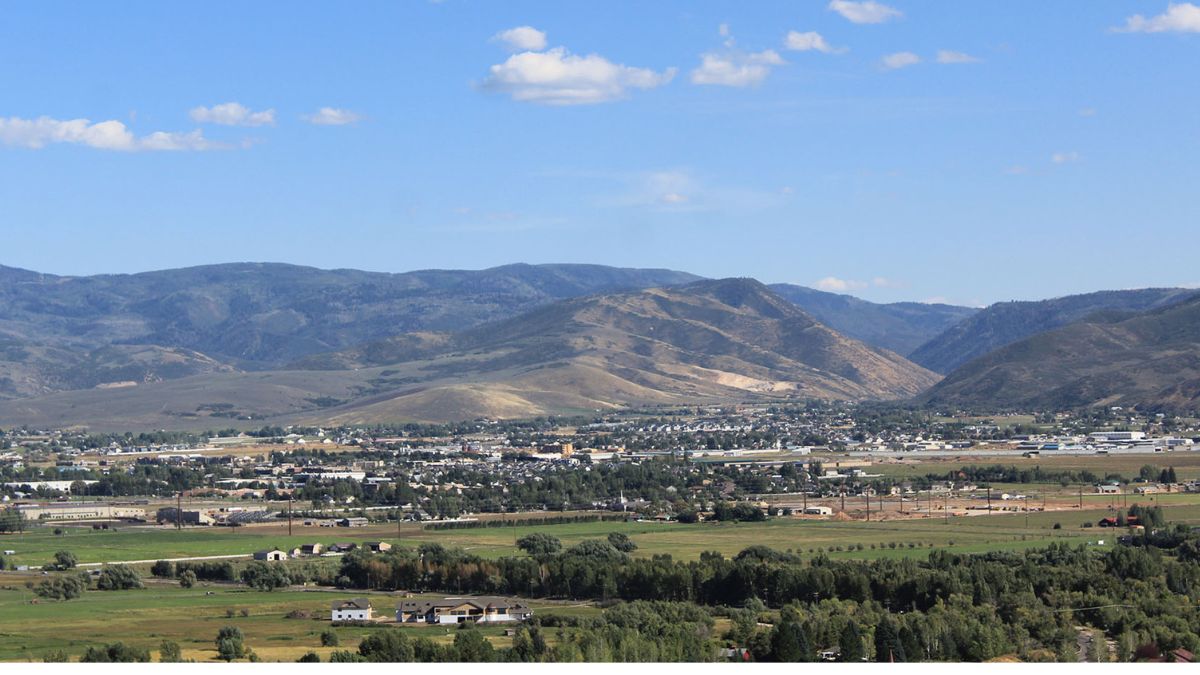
[163, 611]
[192, 617]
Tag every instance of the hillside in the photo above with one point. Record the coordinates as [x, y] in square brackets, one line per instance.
[1007, 322]
[1149, 360]
[900, 327]
[727, 340]
[254, 316]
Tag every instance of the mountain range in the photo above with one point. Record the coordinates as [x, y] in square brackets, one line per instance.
[247, 342]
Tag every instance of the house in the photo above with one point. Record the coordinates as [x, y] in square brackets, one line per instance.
[1108, 489]
[342, 547]
[354, 609]
[818, 511]
[353, 522]
[311, 549]
[273, 555]
[461, 610]
[378, 546]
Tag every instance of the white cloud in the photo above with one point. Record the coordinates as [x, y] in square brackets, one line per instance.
[836, 285]
[900, 60]
[723, 30]
[107, 135]
[735, 68]
[810, 41]
[867, 11]
[1064, 157]
[947, 56]
[522, 39]
[333, 117]
[233, 114]
[1183, 17]
[558, 77]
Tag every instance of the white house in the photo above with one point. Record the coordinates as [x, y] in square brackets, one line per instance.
[273, 555]
[354, 609]
[818, 511]
[462, 610]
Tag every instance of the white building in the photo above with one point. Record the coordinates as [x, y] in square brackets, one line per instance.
[354, 609]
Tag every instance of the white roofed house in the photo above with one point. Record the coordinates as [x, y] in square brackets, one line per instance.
[354, 609]
[461, 610]
[271, 555]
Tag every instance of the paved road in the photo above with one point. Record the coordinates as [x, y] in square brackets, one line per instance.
[154, 560]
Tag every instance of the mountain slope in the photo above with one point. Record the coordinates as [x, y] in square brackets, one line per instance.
[726, 339]
[1007, 322]
[1149, 360]
[258, 316]
[900, 327]
[718, 341]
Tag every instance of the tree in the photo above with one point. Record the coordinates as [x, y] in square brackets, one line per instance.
[309, 657]
[12, 520]
[386, 646]
[621, 542]
[539, 544]
[473, 647]
[265, 576]
[329, 638]
[187, 579]
[63, 560]
[850, 643]
[789, 643]
[1098, 649]
[888, 647]
[117, 578]
[163, 568]
[231, 643]
[117, 652]
[169, 652]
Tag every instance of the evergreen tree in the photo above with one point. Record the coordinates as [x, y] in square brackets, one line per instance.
[850, 642]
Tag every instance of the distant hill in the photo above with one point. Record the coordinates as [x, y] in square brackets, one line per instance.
[1150, 360]
[61, 332]
[1007, 322]
[721, 340]
[899, 326]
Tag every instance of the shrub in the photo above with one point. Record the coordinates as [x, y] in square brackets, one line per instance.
[329, 638]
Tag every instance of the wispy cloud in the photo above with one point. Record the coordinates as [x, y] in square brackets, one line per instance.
[839, 285]
[558, 77]
[1065, 157]
[232, 114]
[866, 11]
[1183, 17]
[810, 41]
[107, 135]
[522, 38]
[734, 68]
[900, 60]
[332, 117]
[951, 57]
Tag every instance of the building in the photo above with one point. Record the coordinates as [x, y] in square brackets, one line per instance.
[354, 609]
[353, 522]
[81, 511]
[378, 546]
[818, 511]
[311, 549]
[272, 555]
[173, 515]
[461, 610]
[1108, 489]
[342, 547]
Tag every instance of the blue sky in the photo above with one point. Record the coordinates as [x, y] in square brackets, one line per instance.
[898, 150]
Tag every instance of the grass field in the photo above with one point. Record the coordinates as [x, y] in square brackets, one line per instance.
[191, 617]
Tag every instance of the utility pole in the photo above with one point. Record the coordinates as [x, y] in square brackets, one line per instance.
[868, 496]
[989, 499]
[806, 499]
[289, 514]
[179, 510]
[1081, 496]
